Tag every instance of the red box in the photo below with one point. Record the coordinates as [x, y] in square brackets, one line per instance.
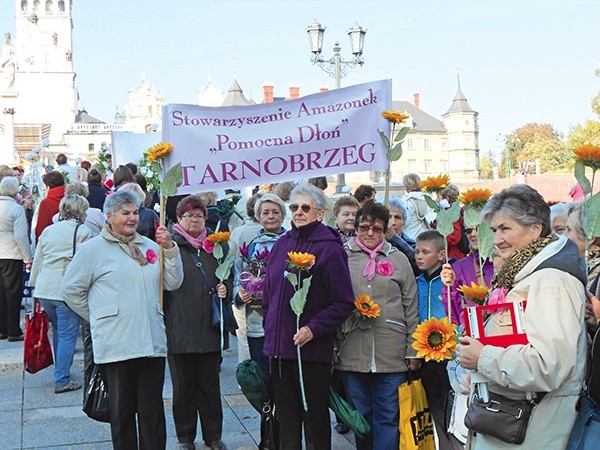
[474, 326]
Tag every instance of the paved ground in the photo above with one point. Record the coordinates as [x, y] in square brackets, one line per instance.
[33, 417]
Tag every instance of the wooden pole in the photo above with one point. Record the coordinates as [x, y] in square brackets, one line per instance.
[161, 253]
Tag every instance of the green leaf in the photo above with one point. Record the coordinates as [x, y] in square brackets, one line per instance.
[471, 217]
[299, 298]
[218, 251]
[432, 204]
[224, 269]
[173, 179]
[485, 236]
[591, 218]
[365, 324]
[291, 277]
[395, 152]
[580, 176]
[384, 138]
[446, 219]
[401, 134]
[155, 166]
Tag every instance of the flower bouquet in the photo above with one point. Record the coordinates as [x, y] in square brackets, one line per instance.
[252, 278]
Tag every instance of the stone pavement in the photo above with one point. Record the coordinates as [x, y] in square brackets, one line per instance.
[32, 416]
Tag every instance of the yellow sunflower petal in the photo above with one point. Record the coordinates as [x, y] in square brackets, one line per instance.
[301, 260]
[394, 116]
[589, 155]
[435, 339]
[220, 237]
[476, 197]
[435, 184]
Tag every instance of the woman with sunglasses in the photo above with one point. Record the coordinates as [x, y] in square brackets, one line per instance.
[376, 353]
[328, 304]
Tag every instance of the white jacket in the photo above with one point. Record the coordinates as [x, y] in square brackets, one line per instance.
[14, 243]
[120, 298]
[53, 253]
[419, 215]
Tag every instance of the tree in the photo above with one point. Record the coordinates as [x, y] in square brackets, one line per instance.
[486, 166]
[596, 99]
[589, 133]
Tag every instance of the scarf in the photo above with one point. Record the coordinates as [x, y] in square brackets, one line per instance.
[370, 267]
[515, 262]
[194, 242]
[127, 243]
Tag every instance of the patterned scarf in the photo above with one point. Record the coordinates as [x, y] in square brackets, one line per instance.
[195, 242]
[127, 243]
[371, 265]
[515, 263]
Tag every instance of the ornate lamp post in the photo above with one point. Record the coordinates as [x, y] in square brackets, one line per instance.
[336, 66]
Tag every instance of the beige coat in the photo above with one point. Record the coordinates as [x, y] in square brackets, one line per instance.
[554, 361]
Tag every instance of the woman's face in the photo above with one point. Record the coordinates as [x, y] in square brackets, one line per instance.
[345, 218]
[396, 222]
[559, 224]
[270, 217]
[125, 221]
[370, 233]
[571, 234]
[511, 236]
[472, 236]
[305, 210]
[192, 222]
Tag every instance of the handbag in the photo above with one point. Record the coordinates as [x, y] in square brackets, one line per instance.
[503, 418]
[269, 427]
[254, 383]
[95, 401]
[229, 322]
[416, 424]
[347, 414]
[37, 353]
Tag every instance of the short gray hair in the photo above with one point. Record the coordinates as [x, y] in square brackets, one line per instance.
[310, 191]
[397, 203]
[116, 201]
[521, 203]
[77, 188]
[73, 207]
[135, 188]
[268, 198]
[9, 186]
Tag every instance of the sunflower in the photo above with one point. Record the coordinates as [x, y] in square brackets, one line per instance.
[301, 261]
[475, 197]
[435, 184]
[589, 155]
[219, 238]
[366, 307]
[160, 150]
[394, 116]
[435, 339]
[475, 293]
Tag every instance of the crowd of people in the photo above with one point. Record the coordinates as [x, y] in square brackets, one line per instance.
[97, 240]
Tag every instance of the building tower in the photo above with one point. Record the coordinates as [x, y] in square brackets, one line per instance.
[45, 81]
[463, 138]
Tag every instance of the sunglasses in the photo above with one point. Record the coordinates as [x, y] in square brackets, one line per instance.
[365, 229]
[305, 208]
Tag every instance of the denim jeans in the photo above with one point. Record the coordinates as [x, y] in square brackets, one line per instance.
[65, 324]
[375, 396]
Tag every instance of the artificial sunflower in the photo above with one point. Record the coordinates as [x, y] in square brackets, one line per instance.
[219, 238]
[589, 155]
[394, 116]
[435, 184]
[160, 150]
[366, 307]
[301, 261]
[475, 293]
[435, 339]
[475, 197]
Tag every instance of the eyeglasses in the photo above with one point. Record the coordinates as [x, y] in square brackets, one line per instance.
[305, 208]
[365, 229]
[192, 216]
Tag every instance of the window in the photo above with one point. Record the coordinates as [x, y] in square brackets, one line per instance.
[90, 147]
[467, 122]
[409, 144]
[427, 165]
[426, 144]
[49, 7]
[444, 166]
[24, 6]
[444, 144]
[61, 6]
[412, 165]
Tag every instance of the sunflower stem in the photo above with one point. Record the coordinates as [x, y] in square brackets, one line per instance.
[448, 287]
[304, 404]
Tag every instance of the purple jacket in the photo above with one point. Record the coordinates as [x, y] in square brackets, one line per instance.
[330, 298]
[465, 274]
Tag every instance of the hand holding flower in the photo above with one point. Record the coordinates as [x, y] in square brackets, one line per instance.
[221, 290]
[448, 276]
[468, 351]
[163, 238]
[303, 336]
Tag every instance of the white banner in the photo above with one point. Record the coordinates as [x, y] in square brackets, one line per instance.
[321, 134]
[130, 147]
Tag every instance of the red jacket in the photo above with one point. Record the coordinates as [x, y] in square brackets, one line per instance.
[48, 207]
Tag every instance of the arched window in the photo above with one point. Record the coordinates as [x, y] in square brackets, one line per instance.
[36, 5]
[61, 7]
[24, 5]
[49, 7]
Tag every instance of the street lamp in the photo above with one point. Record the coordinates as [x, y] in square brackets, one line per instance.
[335, 66]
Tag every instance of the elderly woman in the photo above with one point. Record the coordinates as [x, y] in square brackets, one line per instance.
[55, 183]
[14, 251]
[329, 302]
[344, 211]
[419, 215]
[249, 272]
[113, 282]
[574, 230]
[374, 359]
[193, 343]
[395, 233]
[94, 217]
[148, 217]
[542, 269]
[54, 252]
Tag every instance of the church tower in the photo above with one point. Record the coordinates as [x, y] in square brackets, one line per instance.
[45, 80]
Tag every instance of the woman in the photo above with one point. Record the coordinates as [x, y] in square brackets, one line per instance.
[94, 218]
[193, 343]
[148, 217]
[121, 176]
[344, 211]
[14, 251]
[329, 302]
[395, 233]
[248, 272]
[373, 360]
[54, 252]
[98, 192]
[55, 183]
[541, 268]
[113, 283]
[574, 230]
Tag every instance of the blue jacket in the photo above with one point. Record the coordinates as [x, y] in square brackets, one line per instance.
[330, 297]
[429, 290]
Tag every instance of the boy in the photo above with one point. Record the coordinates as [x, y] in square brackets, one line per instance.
[430, 256]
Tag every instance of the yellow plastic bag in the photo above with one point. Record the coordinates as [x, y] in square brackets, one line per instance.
[416, 425]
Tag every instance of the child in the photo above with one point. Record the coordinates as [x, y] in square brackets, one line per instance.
[430, 256]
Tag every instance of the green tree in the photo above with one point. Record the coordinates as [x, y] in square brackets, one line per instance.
[486, 166]
[589, 133]
[596, 99]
